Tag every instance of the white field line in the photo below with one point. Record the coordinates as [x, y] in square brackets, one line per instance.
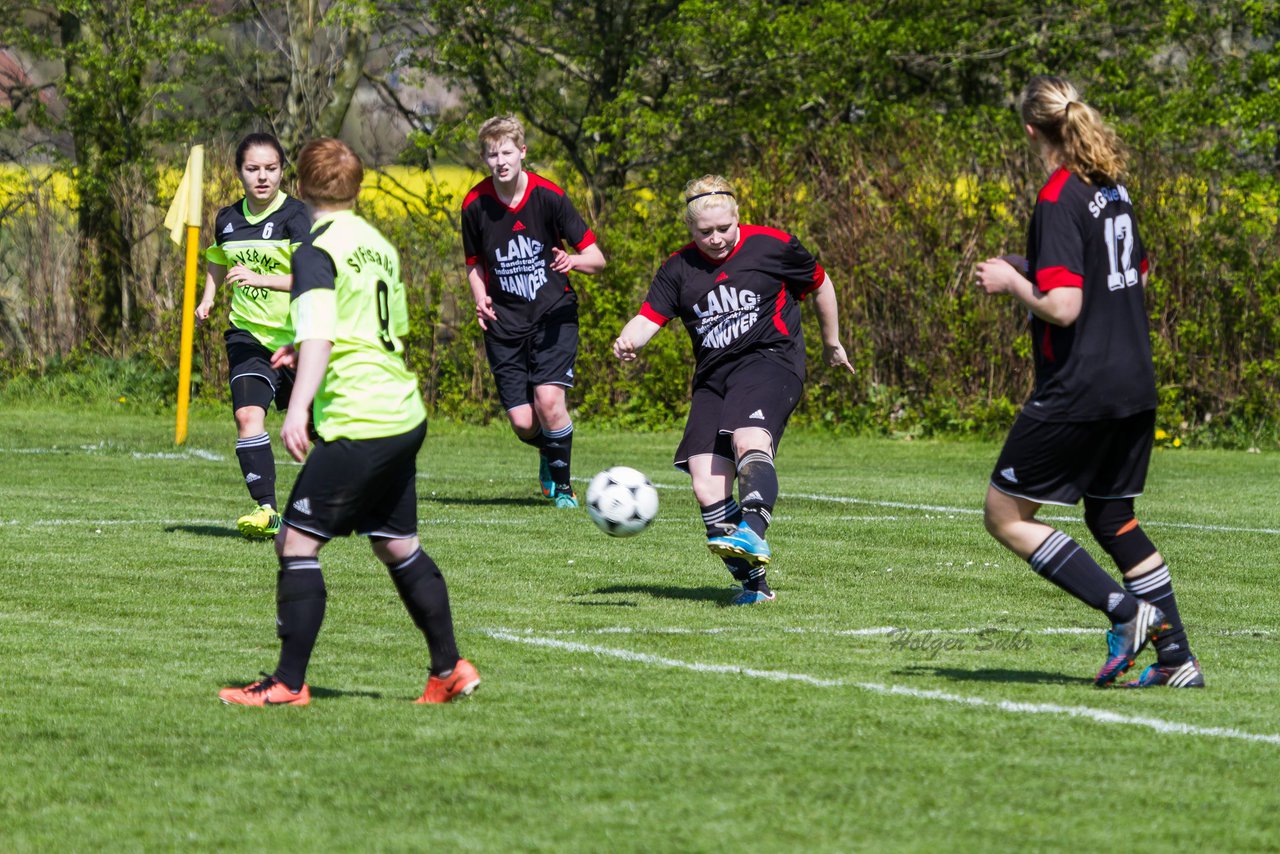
[1083, 712]
[877, 631]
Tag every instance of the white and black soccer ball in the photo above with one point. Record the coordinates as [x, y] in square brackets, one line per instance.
[621, 501]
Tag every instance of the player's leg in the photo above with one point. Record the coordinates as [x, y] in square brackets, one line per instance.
[1109, 513]
[557, 441]
[706, 455]
[300, 605]
[253, 387]
[713, 475]
[760, 396]
[509, 364]
[391, 522]
[757, 477]
[552, 356]
[1044, 462]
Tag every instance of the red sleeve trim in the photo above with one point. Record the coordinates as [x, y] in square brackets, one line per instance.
[1142, 268]
[1058, 277]
[819, 276]
[1052, 190]
[587, 240]
[647, 312]
[473, 260]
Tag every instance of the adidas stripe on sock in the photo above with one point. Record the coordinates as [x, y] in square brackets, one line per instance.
[1061, 560]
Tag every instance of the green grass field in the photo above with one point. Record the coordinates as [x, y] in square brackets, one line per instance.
[624, 708]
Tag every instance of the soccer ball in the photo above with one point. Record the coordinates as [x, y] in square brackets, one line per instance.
[621, 501]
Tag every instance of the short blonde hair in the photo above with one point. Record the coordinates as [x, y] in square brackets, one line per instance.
[329, 172]
[500, 128]
[1090, 148]
[709, 191]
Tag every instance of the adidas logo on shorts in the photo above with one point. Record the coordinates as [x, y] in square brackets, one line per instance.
[228, 229]
[758, 414]
[1008, 475]
[303, 506]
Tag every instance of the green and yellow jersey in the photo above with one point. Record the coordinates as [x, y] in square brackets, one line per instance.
[347, 289]
[264, 243]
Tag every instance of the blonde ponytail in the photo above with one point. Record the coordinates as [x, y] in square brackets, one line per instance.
[1088, 146]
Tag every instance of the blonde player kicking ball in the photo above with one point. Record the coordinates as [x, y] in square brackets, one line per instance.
[1088, 428]
[737, 290]
[349, 313]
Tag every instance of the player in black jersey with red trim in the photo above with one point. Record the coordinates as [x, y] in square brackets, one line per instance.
[737, 289]
[514, 227]
[1088, 428]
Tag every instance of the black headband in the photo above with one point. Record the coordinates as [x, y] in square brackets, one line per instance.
[693, 199]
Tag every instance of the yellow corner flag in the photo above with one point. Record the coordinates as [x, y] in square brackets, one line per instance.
[184, 214]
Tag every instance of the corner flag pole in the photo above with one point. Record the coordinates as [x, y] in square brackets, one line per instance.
[185, 209]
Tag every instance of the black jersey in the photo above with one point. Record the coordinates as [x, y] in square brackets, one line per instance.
[1086, 236]
[512, 248]
[743, 304]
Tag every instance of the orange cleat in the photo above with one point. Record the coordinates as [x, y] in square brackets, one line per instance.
[462, 681]
[268, 691]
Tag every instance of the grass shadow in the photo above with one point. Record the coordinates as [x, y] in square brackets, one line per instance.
[991, 674]
[658, 591]
[499, 501]
[328, 693]
[204, 531]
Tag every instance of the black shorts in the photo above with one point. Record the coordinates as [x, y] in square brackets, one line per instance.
[253, 381]
[1057, 462]
[754, 391]
[543, 357]
[362, 485]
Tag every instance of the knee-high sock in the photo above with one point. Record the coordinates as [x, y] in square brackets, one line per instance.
[422, 589]
[258, 465]
[757, 489]
[557, 448]
[300, 604]
[1156, 587]
[1061, 560]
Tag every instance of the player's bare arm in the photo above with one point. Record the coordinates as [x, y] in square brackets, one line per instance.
[313, 361]
[480, 293]
[633, 337]
[1060, 306]
[241, 276]
[824, 303]
[213, 276]
[590, 260]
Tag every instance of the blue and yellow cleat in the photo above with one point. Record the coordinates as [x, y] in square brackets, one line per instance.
[1185, 675]
[545, 480]
[1126, 640]
[565, 500]
[752, 597]
[742, 542]
[261, 524]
